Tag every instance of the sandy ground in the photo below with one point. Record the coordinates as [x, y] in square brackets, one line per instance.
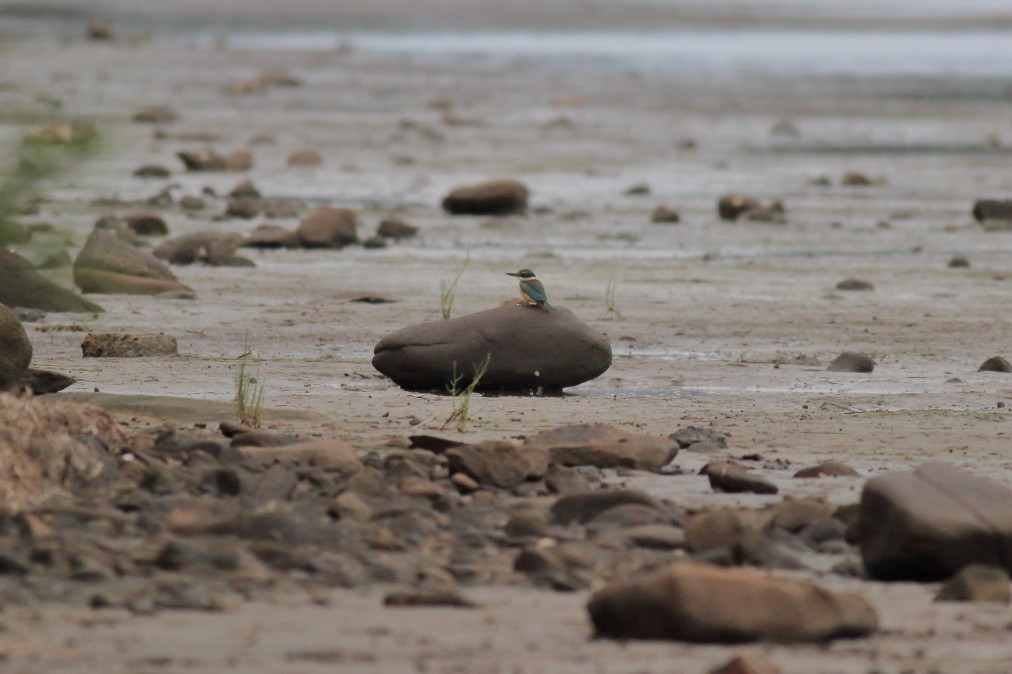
[729, 325]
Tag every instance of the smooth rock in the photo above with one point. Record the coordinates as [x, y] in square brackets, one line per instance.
[15, 350]
[151, 171]
[208, 160]
[305, 158]
[107, 264]
[855, 179]
[491, 197]
[977, 582]
[246, 208]
[271, 236]
[958, 262]
[392, 228]
[329, 453]
[155, 114]
[213, 248]
[146, 224]
[772, 212]
[748, 664]
[731, 206]
[44, 382]
[498, 463]
[732, 478]
[328, 228]
[995, 364]
[849, 361]
[512, 338]
[583, 508]
[604, 446]
[702, 603]
[656, 536]
[245, 188]
[144, 345]
[992, 209]
[22, 286]
[828, 469]
[662, 215]
[930, 523]
[854, 284]
[719, 529]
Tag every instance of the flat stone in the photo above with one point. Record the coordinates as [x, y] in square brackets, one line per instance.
[22, 286]
[498, 463]
[428, 356]
[827, 469]
[732, 478]
[491, 197]
[213, 248]
[706, 604]
[930, 523]
[662, 215]
[305, 158]
[604, 446]
[391, 228]
[328, 453]
[271, 236]
[977, 582]
[855, 284]
[849, 361]
[583, 508]
[144, 345]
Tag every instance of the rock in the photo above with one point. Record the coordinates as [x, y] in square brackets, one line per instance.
[257, 438]
[992, 209]
[271, 236]
[396, 229]
[448, 597]
[77, 132]
[526, 525]
[583, 508]
[603, 446]
[464, 483]
[731, 206]
[15, 350]
[152, 171]
[976, 582]
[664, 215]
[44, 382]
[849, 361]
[773, 212]
[265, 80]
[213, 248]
[732, 478]
[930, 523]
[995, 364]
[702, 603]
[55, 260]
[637, 189]
[794, 514]
[155, 114]
[330, 454]
[107, 264]
[245, 188]
[99, 30]
[491, 197]
[191, 203]
[498, 463]
[854, 284]
[747, 664]
[328, 228]
[855, 179]
[694, 435]
[512, 338]
[828, 469]
[108, 345]
[564, 481]
[23, 286]
[208, 160]
[305, 158]
[146, 224]
[719, 529]
[374, 242]
[13, 232]
[47, 445]
[655, 536]
[959, 262]
[246, 208]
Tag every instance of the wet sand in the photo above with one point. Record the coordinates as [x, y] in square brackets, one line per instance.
[728, 325]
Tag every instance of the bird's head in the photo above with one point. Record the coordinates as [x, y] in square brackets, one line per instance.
[523, 273]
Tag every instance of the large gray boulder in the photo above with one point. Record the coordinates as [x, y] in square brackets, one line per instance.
[22, 286]
[15, 350]
[527, 347]
[932, 522]
[108, 264]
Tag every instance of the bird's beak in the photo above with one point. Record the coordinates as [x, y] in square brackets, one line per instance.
[512, 273]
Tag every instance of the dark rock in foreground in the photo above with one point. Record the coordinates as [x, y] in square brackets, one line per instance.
[491, 197]
[995, 364]
[849, 361]
[929, 524]
[703, 603]
[22, 286]
[43, 382]
[15, 349]
[527, 348]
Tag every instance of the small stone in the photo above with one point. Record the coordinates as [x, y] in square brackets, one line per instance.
[692, 435]
[977, 582]
[155, 114]
[995, 364]
[271, 236]
[526, 525]
[99, 30]
[498, 463]
[146, 224]
[491, 197]
[245, 188]
[747, 664]
[374, 242]
[464, 483]
[730, 206]
[854, 284]
[328, 228]
[959, 262]
[152, 171]
[396, 229]
[721, 528]
[730, 477]
[656, 536]
[637, 189]
[191, 203]
[305, 158]
[450, 598]
[582, 508]
[350, 505]
[993, 210]
[850, 361]
[144, 345]
[828, 469]
[246, 208]
[664, 215]
[855, 179]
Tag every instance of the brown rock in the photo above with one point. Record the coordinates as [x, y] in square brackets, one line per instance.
[15, 350]
[328, 228]
[330, 454]
[637, 189]
[107, 264]
[491, 197]
[305, 158]
[396, 229]
[730, 477]
[245, 188]
[772, 212]
[583, 508]
[108, 345]
[664, 215]
[828, 469]
[243, 207]
[747, 664]
[977, 582]
[930, 523]
[995, 364]
[152, 171]
[512, 338]
[211, 248]
[794, 514]
[855, 179]
[47, 445]
[271, 236]
[992, 209]
[604, 446]
[146, 224]
[854, 284]
[22, 286]
[701, 603]
[719, 529]
[849, 361]
[208, 160]
[43, 382]
[155, 114]
[959, 262]
[99, 30]
[730, 206]
[498, 463]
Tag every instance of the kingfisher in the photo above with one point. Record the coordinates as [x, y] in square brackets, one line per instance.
[531, 289]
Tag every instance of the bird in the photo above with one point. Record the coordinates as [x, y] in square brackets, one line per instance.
[531, 289]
